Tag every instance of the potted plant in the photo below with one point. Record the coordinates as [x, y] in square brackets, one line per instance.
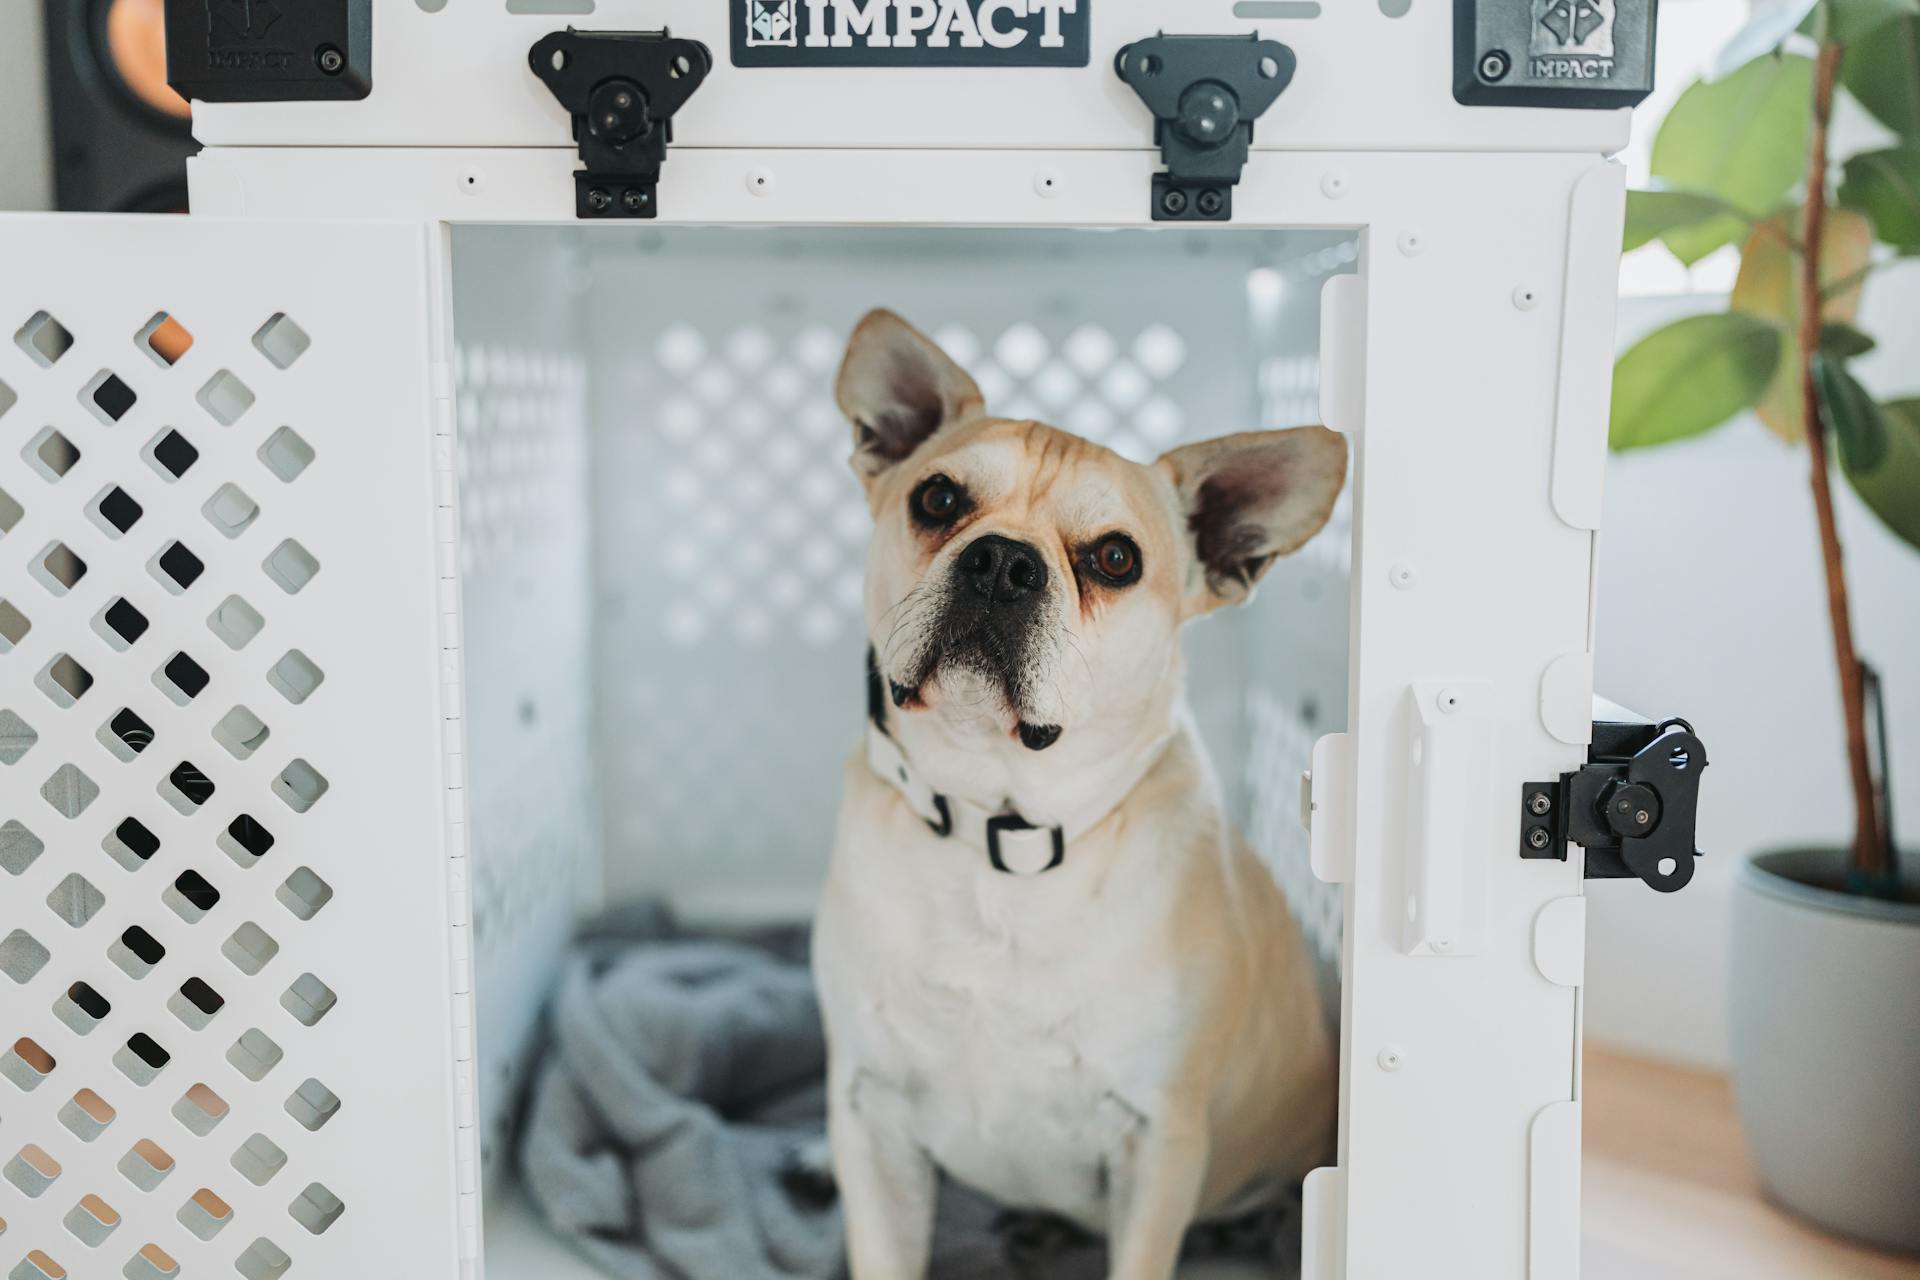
[1825, 976]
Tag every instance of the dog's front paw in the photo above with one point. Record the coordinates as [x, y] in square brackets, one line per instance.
[807, 1174]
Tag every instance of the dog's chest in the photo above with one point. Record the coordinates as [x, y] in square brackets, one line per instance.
[1016, 1044]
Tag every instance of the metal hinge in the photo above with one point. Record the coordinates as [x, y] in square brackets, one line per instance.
[1205, 93]
[622, 89]
[1632, 806]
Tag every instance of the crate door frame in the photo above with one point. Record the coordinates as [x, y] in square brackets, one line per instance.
[1468, 361]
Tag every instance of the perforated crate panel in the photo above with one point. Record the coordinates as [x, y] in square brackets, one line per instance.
[521, 384]
[731, 535]
[227, 1027]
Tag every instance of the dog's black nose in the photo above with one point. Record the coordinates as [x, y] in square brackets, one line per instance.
[1001, 569]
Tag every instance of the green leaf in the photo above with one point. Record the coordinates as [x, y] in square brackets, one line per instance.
[1851, 415]
[1743, 139]
[1693, 374]
[1768, 286]
[1843, 341]
[1883, 74]
[1892, 487]
[1653, 213]
[1850, 20]
[1771, 23]
[1885, 185]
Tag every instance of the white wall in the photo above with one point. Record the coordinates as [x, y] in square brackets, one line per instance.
[1712, 606]
[26, 180]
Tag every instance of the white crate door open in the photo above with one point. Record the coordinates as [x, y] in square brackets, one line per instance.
[227, 1027]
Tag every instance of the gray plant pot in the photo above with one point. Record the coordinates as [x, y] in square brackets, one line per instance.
[1825, 1027]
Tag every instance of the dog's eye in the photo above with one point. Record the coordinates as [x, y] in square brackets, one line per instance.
[938, 500]
[1117, 558]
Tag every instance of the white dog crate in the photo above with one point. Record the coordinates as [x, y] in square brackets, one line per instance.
[396, 568]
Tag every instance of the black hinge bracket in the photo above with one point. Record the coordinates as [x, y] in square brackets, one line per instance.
[622, 89]
[1632, 806]
[1205, 93]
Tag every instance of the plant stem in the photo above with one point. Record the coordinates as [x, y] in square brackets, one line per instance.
[1869, 845]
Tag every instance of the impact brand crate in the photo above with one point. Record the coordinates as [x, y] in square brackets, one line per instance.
[412, 551]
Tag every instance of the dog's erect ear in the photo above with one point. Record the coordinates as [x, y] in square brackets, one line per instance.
[1250, 498]
[898, 389]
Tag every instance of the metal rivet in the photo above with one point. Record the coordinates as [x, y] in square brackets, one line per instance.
[1411, 242]
[759, 181]
[1045, 184]
[1539, 804]
[1402, 575]
[1538, 838]
[1524, 296]
[1333, 185]
[1392, 1058]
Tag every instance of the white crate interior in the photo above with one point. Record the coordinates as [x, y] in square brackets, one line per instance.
[661, 545]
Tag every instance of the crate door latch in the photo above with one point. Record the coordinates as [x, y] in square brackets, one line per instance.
[622, 89]
[1205, 93]
[1632, 806]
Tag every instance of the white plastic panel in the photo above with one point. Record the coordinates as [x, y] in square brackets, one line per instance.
[521, 387]
[458, 76]
[223, 804]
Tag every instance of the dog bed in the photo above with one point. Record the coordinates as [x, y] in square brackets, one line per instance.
[674, 1128]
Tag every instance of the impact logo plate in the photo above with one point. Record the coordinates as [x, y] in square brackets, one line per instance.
[910, 33]
[1572, 39]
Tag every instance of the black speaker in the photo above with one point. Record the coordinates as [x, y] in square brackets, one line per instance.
[121, 137]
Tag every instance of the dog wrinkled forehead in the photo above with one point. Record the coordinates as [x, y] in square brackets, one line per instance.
[1045, 478]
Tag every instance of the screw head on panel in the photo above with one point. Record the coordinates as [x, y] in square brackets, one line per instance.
[1539, 804]
[599, 200]
[1525, 296]
[1210, 203]
[759, 182]
[1174, 202]
[633, 200]
[330, 60]
[1494, 65]
[1391, 1058]
[1538, 837]
[1402, 575]
[1411, 243]
[1046, 184]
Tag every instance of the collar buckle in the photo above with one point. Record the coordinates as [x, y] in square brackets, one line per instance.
[1019, 848]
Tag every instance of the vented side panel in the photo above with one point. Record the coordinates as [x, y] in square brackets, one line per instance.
[225, 1018]
[527, 641]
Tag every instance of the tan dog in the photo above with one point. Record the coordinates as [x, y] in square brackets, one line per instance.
[1047, 964]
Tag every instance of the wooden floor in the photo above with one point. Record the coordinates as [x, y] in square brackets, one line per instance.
[1668, 1192]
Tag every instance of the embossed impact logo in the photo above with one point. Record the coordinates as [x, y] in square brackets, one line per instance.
[1572, 40]
[235, 32]
[231, 22]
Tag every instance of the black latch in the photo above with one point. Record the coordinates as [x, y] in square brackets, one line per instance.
[622, 88]
[1205, 93]
[1631, 806]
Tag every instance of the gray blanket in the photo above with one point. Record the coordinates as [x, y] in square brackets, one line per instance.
[673, 1129]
